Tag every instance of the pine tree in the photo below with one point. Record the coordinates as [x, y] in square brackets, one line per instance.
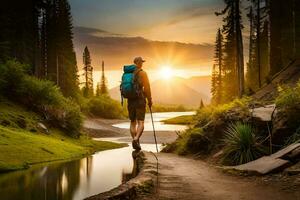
[217, 76]
[66, 76]
[258, 65]
[88, 73]
[201, 104]
[103, 83]
[233, 82]
[98, 90]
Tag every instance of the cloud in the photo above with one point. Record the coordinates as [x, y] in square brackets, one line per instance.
[80, 30]
[119, 50]
[188, 13]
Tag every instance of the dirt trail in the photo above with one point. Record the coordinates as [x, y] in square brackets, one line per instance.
[186, 178]
[183, 178]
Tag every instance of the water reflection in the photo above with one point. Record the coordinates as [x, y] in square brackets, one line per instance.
[135, 169]
[71, 180]
[159, 126]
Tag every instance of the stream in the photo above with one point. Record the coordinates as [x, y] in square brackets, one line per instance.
[78, 179]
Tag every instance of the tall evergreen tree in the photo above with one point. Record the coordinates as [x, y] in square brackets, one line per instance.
[103, 83]
[233, 82]
[88, 73]
[258, 65]
[66, 76]
[217, 73]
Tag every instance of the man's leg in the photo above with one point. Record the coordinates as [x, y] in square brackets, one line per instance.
[140, 130]
[133, 130]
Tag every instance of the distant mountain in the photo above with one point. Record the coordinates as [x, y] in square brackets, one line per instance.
[201, 84]
[174, 91]
[117, 50]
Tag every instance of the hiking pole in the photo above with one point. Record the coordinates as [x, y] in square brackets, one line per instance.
[153, 128]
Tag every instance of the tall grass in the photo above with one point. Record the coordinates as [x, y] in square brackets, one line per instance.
[241, 144]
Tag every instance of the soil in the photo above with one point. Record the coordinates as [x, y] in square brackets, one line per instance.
[187, 178]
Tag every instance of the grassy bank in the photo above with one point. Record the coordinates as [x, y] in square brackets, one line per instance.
[182, 120]
[23, 142]
[21, 148]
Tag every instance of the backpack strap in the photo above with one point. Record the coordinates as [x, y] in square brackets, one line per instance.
[136, 74]
[137, 84]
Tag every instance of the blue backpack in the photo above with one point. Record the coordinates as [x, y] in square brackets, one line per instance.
[129, 87]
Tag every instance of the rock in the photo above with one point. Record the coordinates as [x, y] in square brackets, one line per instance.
[268, 164]
[262, 166]
[283, 152]
[293, 170]
[264, 113]
[294, 155]
[42, 128]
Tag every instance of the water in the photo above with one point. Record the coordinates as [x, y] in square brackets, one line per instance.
[74, 180]
[159, 126]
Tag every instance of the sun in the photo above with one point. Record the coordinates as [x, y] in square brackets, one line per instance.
[166, 72]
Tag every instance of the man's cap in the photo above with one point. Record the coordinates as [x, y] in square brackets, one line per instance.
[138, 59]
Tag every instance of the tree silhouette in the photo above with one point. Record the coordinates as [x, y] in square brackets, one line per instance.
[103, 84]
[233, 50]
[88, 73]
[217, 76]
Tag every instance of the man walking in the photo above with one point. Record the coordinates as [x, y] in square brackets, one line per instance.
[137, 105]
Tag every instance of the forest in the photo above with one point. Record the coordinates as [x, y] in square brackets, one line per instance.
[273, 45]
[53, 110]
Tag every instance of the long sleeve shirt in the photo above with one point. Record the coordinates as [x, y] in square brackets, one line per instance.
[145, 84]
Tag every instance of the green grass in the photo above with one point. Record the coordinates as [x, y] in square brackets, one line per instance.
[16, 116]
[23, 144]
[183, 120]
[20, 148]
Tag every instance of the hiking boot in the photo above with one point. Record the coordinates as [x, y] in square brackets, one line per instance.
[136, 145]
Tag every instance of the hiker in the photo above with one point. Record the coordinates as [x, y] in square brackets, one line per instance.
[135, 87]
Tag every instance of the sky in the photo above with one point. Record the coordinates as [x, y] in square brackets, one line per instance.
[183, 21]
[189, 21]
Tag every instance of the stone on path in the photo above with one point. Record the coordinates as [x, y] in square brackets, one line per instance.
[268, 164]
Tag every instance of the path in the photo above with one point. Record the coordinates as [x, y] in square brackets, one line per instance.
[185, 178]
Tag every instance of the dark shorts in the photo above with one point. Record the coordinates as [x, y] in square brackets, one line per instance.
[136, 109]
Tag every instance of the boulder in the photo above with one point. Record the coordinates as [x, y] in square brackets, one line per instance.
[41, 127]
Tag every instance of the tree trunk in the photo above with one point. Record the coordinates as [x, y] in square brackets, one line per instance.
[239, 48]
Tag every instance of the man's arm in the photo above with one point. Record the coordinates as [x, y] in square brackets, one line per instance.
[147, 88]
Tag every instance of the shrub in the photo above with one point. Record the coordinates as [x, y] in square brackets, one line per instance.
[288, 97]
[288, 104]
[11, 76]
[214, 112]
[241, 145]
[191, 141]
[38, 92]
[40, 95]
[104, 106]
